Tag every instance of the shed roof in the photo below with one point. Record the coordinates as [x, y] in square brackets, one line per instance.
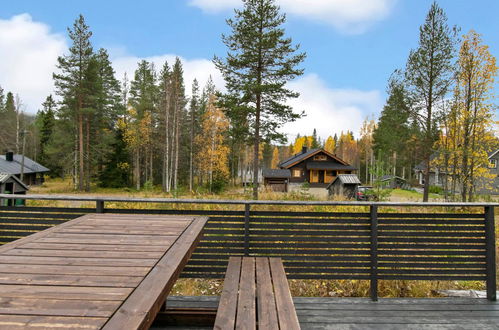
[6, 176]
[391, 177]
[346, 179]
[276, 173]
[14, 167]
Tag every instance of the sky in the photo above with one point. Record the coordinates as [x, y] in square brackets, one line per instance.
[352, 46]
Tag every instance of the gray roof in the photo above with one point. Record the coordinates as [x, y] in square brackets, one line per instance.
[5, 176]
[493, 153]
[275, 173]
[321, 165]
[390, 177]
[346, 179]
[14, 167]
[297, 158]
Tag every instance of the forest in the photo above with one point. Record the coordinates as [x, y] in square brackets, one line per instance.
[140, 131]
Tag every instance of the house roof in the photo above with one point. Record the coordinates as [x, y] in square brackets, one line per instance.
[390, 177]
[276, 173]
[304, 155]
[14, 167]
[493, 153]
[6, 176]
[346, 179]
[321, 165]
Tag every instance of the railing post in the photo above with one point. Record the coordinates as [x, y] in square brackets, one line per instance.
[374, 252]
[490, 249]
[246, 228]
[99, 206]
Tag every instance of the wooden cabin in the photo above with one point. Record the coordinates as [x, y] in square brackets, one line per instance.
[33, 172]
[317, 167]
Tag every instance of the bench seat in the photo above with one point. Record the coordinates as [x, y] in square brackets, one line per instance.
[256, 296]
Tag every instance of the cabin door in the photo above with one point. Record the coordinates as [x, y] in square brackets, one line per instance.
[321, 176]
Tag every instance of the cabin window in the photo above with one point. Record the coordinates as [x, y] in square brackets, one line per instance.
[320, 157]
[493, 163]
[296, 173]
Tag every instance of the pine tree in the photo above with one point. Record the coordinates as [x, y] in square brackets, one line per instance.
[70, 84]
[193, 114]
[429, 76]
[142, 115]
[259, 63]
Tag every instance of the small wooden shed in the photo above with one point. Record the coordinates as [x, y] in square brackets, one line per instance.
[394, 182]
[276, 179]
[344, 185]
[11, 184]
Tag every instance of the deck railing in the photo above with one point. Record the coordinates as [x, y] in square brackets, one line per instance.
[316, 240]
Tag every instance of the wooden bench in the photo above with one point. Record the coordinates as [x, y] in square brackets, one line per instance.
[256, 295]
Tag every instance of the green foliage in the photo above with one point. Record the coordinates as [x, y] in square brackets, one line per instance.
[378, 193]
[436, 190]
[116, 171]
[259, 62]
[429, 75]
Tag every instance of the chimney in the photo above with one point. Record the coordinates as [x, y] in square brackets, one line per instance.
[304, 149]
[9, 156]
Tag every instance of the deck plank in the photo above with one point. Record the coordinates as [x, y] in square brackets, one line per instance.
[246, 304]
[267, 313]
[228, 307]
[99, 270]
[387, 313]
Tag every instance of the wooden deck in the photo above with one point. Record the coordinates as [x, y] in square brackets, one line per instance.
[97, 271]
[364, 314]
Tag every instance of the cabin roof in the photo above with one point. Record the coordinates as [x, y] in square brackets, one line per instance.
[307, 154]
[14, 167]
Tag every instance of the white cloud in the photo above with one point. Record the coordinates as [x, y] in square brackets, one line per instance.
[200, 69]
[348, 16]
[330, 110]
[28, 57]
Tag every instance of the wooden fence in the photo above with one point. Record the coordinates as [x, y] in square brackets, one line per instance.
[434, 241]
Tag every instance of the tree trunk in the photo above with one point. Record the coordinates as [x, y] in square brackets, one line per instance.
[81, 153]
[256, 146]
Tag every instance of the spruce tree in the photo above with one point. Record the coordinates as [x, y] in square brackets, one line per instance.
[46, 123]
[260, 60]
[429, 74]
[393, 131]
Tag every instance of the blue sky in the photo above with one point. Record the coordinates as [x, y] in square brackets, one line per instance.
[353, 46]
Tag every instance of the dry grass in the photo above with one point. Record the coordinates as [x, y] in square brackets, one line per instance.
[317, 288]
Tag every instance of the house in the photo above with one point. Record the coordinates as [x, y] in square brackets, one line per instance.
[394, 182]
[32, 174]
[438, 175]
[344, 185]
[277, 179]
[10, 184]
[316, 167]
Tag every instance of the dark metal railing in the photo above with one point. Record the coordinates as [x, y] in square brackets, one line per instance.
[316, 240]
